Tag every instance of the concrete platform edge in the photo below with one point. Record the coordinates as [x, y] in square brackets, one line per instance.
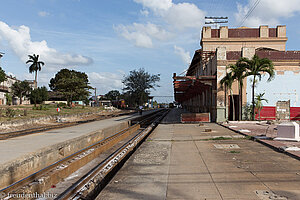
[17, 169]
[264, 143]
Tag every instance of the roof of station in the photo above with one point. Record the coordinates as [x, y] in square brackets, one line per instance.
[185, 87]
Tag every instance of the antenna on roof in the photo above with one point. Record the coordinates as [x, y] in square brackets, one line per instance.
[216, 21]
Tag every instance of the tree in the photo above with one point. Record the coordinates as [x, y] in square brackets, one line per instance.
[258, 102]
[239, 73]
[256, 67]
[35, 66]
[137, 85]
[113, 95]
[20, 89]
[8, 99]
[2, 75]
[38, 95]
[228, 81]
[72, 84]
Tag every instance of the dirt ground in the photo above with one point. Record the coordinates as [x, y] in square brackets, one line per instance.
[19, 125]
[10, 113]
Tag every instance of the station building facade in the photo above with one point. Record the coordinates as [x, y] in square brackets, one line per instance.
[200, 91]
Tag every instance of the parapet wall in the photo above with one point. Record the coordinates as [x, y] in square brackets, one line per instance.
[261, 32]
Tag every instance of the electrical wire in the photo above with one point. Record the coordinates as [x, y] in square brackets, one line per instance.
[249, 12]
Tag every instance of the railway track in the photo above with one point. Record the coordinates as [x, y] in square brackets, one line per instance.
[89, 185]
[13, 134]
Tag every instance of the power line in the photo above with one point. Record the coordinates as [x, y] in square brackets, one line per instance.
[249, 12]
[246, 16]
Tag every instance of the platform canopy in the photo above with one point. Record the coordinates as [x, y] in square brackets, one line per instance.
[186, 87]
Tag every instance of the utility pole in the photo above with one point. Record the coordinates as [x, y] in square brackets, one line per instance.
[215, 20]
[96, 104]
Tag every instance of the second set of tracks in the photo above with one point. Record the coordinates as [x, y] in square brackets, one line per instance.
[91, 183]
[29, 131]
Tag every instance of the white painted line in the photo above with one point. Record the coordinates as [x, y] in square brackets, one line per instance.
[292, 149]
[226, 146]
[245, 131]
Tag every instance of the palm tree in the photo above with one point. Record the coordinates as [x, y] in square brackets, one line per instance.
[228, 81]
[239, 73]
[258, 102]
[256, 67]
[35, 66]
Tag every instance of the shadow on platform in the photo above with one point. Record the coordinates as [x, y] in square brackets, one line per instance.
[174, 116]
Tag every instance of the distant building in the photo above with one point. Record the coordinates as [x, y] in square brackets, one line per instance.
[5, 88]
[105, 103]
[55, 98]
[199, 90]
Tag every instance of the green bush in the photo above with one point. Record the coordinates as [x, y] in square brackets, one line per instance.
[39, 95]
[247, 112]
[41, 107]
[10, 112]
[8, 99]
[61, 104]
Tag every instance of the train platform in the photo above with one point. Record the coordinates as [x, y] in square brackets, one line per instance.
[204, 161]
[265, 133]
[23, 155]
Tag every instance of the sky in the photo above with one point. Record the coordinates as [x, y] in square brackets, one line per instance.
[108, 38]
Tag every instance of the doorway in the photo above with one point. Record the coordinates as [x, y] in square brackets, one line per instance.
[236, 107]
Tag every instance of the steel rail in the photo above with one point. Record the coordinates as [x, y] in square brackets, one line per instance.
[86, 184]
[109, 141]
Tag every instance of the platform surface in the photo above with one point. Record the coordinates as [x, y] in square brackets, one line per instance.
[182, 161]
[13, 148]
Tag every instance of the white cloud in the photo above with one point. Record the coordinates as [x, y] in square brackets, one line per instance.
[142, 34]
[43, 13]
[156, 5]
[267, 12]
[144, 12]
[176, 18]
[185, 15]
[181, 15]
[184, 55]
[106, 81]
[20, 42]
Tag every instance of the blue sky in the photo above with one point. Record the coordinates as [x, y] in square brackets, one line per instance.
[108, 38]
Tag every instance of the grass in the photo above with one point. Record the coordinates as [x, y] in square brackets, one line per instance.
[48, 110]
[248, 137]
[218, 138]
[234, 152]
